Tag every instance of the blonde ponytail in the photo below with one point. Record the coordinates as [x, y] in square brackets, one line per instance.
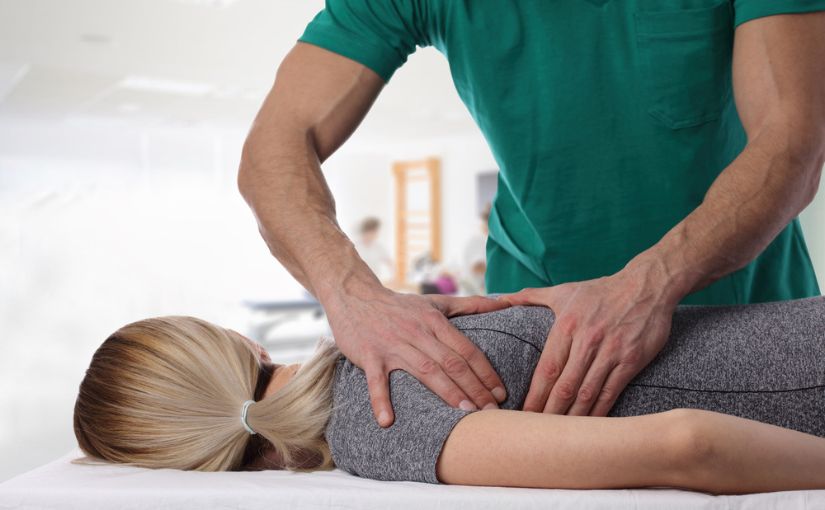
[167, 392]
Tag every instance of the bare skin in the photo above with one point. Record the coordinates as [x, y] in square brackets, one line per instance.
[317, 101]
[607, 330]
[683, 448]
[281, 375]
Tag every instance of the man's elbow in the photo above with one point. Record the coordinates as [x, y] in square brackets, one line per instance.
[805, 150]
[272, 148]
[257, 158]
[813, 154]
[246, 169]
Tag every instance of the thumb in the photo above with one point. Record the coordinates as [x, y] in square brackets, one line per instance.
[451, 306]
[528, 296]
[379, 389]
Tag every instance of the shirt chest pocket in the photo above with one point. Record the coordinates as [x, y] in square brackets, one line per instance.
[685, 62]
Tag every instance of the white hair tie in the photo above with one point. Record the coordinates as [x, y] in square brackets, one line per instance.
[244, 410]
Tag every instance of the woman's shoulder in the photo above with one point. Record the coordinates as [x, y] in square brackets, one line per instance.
[525, 322]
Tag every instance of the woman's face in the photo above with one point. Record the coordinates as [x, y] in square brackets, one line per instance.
[282, 374]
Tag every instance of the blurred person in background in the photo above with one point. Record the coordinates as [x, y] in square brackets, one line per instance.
[371, 250]
[650, 153]
[433, 277]
[475, 257]
[472, 281]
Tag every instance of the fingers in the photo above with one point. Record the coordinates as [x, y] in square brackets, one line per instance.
[443, 359]
[430, 373]
[467, 365]
[528, 296]
[565, 392]
[591, 387]
[615, 383]
[551, 363]
[379, 390]
[452, 306]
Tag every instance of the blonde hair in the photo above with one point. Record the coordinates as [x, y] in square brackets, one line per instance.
[167, 392]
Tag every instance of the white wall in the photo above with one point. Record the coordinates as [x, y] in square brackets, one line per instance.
[813, 226]
[463, 157]
[104, 223]
[101, 225]
[155, 226]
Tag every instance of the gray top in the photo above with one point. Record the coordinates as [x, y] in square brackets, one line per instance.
[761, 361]
[512, 339]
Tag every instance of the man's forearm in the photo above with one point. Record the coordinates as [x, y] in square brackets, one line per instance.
[282, 182]
[316, 102]
[777, 80]
[769, 184]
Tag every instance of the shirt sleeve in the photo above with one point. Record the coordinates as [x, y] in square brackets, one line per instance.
[380, 35]
[746, 10]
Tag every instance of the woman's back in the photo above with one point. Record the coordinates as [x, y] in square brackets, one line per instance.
[762, 361]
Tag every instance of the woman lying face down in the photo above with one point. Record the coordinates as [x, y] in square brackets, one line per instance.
[167, 392]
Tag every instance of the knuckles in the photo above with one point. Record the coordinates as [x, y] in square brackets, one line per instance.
[548, 370]
[455, 366]
[593, 339]
[606, 395]
[427, 366]
[564, 390]
[467, 351]
[566, 325]
[375, 378]
[586, 394]
[631, 357]
[433, 316]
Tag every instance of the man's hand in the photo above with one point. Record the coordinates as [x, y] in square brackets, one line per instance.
[605, 332]
[318, 99]
[388, 331]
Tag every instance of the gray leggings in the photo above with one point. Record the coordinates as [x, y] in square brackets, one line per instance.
[761, 361]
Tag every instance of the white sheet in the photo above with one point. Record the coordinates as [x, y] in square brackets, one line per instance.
[62, 485]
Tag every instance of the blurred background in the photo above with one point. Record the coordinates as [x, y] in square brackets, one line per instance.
[121, 125]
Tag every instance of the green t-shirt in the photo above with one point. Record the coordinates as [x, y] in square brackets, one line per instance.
[609, 121]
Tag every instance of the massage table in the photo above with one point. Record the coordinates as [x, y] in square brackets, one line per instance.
[62, 485]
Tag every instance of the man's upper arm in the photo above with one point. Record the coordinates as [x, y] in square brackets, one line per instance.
[329, 80]
[779, 65]
[319, 97]
[747, 10]
[380, 35]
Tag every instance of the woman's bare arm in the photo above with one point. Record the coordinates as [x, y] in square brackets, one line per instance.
[683, 448]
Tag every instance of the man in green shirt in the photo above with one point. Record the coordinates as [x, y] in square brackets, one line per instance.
[651, 153]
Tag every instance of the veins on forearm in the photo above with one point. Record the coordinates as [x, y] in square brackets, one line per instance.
[296, 213]
[743, 211]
